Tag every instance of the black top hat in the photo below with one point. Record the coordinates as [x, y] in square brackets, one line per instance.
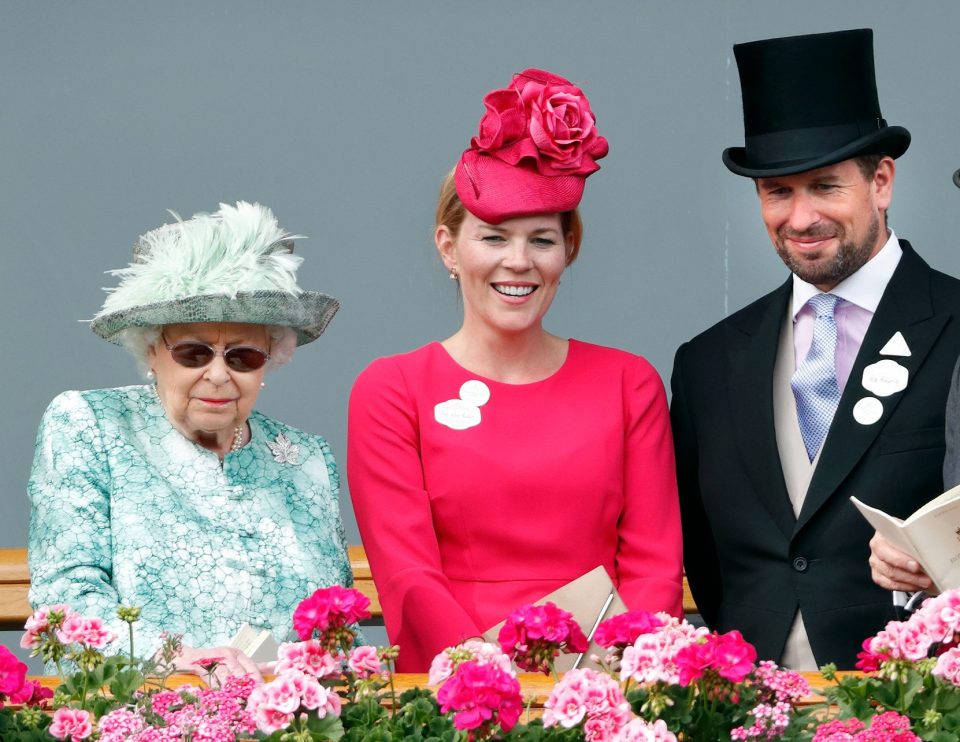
[810, 101]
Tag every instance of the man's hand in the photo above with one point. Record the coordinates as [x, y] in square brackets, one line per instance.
[891, 569]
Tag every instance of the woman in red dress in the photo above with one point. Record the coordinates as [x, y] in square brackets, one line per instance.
[495, 466]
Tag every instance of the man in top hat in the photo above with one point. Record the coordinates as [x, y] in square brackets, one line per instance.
[832, 385]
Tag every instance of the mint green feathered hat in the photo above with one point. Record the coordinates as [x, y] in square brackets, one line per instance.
[235, 265]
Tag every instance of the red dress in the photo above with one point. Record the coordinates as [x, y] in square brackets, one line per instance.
[470, 509]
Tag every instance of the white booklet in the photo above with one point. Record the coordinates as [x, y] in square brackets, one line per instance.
[931, 535]
[258, 644]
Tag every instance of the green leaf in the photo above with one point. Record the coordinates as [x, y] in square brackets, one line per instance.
[327, 728]
[125, 684]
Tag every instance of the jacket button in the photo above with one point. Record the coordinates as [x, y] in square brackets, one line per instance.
[800, 564]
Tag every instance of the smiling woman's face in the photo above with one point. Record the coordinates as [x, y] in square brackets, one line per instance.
[207, 404]
[509, 272]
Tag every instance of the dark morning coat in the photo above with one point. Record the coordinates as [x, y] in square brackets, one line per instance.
[751, 564]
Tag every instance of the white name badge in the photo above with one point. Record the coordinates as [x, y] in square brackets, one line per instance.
[885, 377]
[457, 414]
[868, 410]
[475, 392]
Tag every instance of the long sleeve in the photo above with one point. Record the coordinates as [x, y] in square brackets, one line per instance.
[700, 557]
[649, 558]
[393, 510]
[70, 544]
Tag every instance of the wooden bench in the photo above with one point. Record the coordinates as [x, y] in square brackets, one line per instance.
[15, 582]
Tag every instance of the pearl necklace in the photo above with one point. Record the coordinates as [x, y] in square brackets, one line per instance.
[237, 439]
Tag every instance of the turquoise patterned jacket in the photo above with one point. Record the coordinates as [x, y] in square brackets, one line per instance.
[127, 511]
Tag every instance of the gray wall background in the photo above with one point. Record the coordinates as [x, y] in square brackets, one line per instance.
[344, 116]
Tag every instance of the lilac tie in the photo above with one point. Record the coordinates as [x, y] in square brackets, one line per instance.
[814, 383]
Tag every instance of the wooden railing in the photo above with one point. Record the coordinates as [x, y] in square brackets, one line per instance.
[15, 582]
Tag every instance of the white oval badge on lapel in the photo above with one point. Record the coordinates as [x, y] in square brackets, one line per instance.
[457, 414]
[885, 377]
[475, 392]
[868, 410]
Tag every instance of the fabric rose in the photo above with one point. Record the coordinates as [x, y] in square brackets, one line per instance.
[534, 635]
[504, 122]
[71, 724]
[482, 697]
[542, 119]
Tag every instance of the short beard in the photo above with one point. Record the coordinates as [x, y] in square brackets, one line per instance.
[849, 259]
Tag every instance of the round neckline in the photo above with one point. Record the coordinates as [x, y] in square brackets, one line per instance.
[566, 362]
[161, 414]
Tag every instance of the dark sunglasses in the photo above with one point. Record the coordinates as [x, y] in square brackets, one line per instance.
[193, 354]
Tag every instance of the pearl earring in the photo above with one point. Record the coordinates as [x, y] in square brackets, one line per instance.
[150, 375]
[454, 276]
[263, 384]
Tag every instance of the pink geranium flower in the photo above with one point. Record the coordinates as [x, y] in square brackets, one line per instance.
[71, 724]
[328, 612]
[483, 653]
[41, 621]
[886, 727]
[12, 674]
[309, 657]
[534, 635]
[119, 724]
[652, 658]
[728, 655]
[364, 661]
[588, 696]
[622, 630]
[948, 666]
[31, 693]
[88, 631]
[481, 697]
[638, 730]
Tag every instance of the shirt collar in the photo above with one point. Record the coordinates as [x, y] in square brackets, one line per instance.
[864, 288]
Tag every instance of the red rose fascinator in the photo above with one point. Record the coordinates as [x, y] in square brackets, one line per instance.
[537, 143]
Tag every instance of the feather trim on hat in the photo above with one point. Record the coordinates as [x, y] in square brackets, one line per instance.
[234, 250]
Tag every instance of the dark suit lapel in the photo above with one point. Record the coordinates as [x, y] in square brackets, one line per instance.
[751, 355]
[906, 308]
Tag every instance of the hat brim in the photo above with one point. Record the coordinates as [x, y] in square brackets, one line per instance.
[307, 313]
[891, 140]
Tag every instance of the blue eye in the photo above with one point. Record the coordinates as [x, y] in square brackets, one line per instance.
[492, 238]
[543, 242]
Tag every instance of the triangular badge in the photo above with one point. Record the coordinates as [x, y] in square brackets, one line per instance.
[896, 346]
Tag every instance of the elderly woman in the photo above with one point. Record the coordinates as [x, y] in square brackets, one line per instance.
[492, 468]
[177, 496]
